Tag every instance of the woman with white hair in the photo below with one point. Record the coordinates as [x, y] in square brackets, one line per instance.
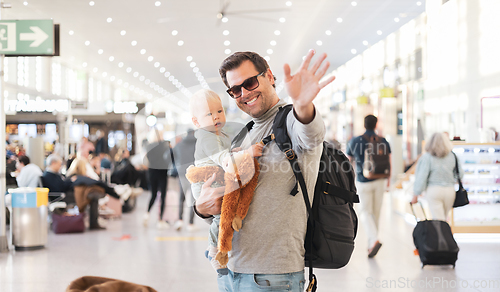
[436, 175]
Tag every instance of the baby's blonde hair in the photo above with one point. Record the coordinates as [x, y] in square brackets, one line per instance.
[202, 96]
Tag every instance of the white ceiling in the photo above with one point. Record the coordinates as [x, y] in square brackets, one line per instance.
[202, 33]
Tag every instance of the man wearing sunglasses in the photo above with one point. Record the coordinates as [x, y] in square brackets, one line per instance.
[268, 251]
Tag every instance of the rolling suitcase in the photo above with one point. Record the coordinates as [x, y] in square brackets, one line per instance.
[434, 242]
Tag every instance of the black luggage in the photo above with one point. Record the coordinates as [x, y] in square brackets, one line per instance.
[434, 242]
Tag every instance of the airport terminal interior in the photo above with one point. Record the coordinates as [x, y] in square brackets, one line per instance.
[100, 110]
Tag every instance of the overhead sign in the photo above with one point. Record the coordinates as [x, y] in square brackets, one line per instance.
[27, 37]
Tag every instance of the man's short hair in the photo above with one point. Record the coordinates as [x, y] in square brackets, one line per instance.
[53, 158]
[24, 159]
[234, 61]
[370, 122]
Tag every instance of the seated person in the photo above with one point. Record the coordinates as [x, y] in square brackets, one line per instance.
[124, 172]
[51, 177]
[29, 174]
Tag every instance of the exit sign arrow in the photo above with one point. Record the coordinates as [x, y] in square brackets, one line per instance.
[38, 36]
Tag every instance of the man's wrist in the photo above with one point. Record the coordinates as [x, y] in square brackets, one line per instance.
[199, 214]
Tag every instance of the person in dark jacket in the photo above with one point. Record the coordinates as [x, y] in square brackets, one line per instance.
[51, 177]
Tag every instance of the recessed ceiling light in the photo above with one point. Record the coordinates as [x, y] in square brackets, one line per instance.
[200, 78]
[100, 51]
[180, 43]
[189, 58]
[120, 64]
[288, 3]
[328, 32]
[147, 81]
[174, 32]
[379, 32]
[125, 84]
[419, 3]
[157, 64]
[226, 32]
[198, 74]
[91, 3]
[131, 87]
[365, 43]
[109, 19]
[267, 58]
[282, 19]
[171, 78]
[123, 32]
[162, 69]
[157, 3]
[269, 51]
[192, 64]
[273, 43]
[71, 32]
[277, 32]
[87, 43]
[396, 19]
[111, 58]
[129, 70]
[136, 74]
[167, 74]
[225, 19]
[119, 81]
[143, 51]
[133, 43]
[227, 51]
[112, 78]
[339, 20]
[353, 3]
[150, 58]
[227, 43]
[84, 64]
[95, 69]
[196, 70]
[25, 3]
[353, 51]
[319, 43]
[104, 74]
[142, 78]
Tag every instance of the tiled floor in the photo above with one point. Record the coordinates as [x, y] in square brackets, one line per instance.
[168, 260]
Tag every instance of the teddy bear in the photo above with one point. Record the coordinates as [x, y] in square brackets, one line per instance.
[239, 174]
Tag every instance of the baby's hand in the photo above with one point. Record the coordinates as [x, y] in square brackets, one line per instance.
[256, 150]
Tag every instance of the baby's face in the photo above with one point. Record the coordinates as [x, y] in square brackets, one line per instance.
[210, 116]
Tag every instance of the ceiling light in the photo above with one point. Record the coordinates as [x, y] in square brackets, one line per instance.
[365, 43]
[157, 3]
[87, 43]
[162, 69]
[112, 78]
[226, 32]
[189, 58]
[134, 43]
[396, 19]
[150, 58]
[125, 84]
[171, 78]
[123, 32]
[339, 20]
[95, 69]
[269, 51]
[91, 3]
[273, 43]
[196, 70]
[167, 74]
[157, 87]
[151, 85]
[147, 81]
[267, 58]
[104, 74]
[174, 32]
[319, 43]
[288, 3]
[379, 32]
[131, 87]
[277, 32]
[25, 3]
[328, 32]
[192, 64]
[119, 81]
[200, 78]
[129, 70]
[419, 3]
[84, 64]
[100, 51]
[227, 43]
[136, 74]
[353, 51]
[143, 51]
[180, 43]
[120, 64]
[282, 19]
[227, 51]
[353, 3]
[142, 78]
[225, 19]
[109, 19]
[198, 74]
[71, 32]
[157, 64]
[111, 59]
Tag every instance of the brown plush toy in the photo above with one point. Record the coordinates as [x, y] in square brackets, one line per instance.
[238, 193]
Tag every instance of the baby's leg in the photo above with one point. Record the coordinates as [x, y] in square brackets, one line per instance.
[212, 247]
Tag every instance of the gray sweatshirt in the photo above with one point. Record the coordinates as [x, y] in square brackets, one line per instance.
[271, 240]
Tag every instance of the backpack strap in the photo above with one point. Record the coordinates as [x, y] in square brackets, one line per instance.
[238, 139]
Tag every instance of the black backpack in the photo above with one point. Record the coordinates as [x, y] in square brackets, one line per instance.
[332, 224]
[377, 163]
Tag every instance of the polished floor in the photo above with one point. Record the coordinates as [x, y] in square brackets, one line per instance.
[168, 260]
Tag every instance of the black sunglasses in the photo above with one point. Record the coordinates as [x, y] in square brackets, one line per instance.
[249, 84]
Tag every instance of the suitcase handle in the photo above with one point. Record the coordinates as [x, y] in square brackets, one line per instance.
[413, 211]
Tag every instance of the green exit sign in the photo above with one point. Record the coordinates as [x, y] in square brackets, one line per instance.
[26, 37]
